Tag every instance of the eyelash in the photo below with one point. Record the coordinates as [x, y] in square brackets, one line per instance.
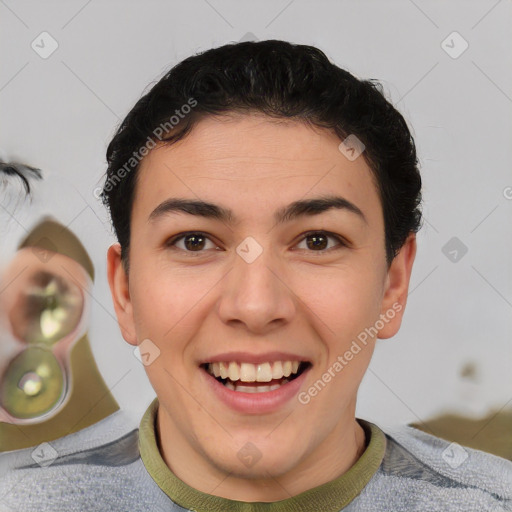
[342, 242]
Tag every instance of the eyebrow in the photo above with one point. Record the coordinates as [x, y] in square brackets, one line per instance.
[301, 208]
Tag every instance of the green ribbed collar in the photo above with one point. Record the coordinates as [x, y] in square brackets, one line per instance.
[329, 497]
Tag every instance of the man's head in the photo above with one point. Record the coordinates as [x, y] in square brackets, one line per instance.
[253, 238]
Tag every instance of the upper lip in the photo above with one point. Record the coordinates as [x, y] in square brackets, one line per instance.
[247, 357]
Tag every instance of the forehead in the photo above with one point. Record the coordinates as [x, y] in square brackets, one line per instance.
[252, 161]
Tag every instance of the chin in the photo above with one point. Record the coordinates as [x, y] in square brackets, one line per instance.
[251, 462]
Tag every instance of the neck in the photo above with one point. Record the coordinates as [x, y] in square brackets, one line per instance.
[334, 456]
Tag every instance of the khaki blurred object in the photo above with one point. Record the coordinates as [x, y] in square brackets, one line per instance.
[487, 431]
[50, 385]
[492, 434]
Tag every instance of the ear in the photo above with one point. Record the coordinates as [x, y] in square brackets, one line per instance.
[396, 288]
[118, 282]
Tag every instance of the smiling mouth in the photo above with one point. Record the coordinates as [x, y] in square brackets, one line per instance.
[255, 378]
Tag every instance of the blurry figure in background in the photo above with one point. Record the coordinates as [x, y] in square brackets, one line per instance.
[50, 385]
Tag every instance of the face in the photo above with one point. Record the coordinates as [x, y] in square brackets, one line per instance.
[257, 294]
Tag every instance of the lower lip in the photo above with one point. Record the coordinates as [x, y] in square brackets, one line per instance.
[256, 403]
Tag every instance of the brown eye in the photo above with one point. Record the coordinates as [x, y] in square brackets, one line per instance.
[32, 384]
[195, 241]
[47, 310]
[191, 242]
[318, 241]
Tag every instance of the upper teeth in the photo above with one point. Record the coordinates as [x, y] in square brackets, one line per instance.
[247, 372]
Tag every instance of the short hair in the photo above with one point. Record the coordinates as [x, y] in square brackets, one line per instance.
[16, 170]
[281, 80]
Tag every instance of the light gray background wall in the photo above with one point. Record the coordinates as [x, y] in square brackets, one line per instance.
[59, 112]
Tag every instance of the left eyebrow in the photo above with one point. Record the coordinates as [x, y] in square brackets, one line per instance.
[301, 208]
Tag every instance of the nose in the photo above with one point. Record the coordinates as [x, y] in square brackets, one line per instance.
[256, 293]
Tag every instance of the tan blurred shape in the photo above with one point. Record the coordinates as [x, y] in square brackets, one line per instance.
[50, 385]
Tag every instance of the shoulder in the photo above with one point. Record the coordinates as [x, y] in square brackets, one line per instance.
[97, 468]
[430, 473]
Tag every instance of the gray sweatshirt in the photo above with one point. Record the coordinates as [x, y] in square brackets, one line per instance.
[112, 466]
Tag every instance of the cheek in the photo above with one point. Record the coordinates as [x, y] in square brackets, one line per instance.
[156, 297]
[167, 309]
[348, 308]
[345, 302]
